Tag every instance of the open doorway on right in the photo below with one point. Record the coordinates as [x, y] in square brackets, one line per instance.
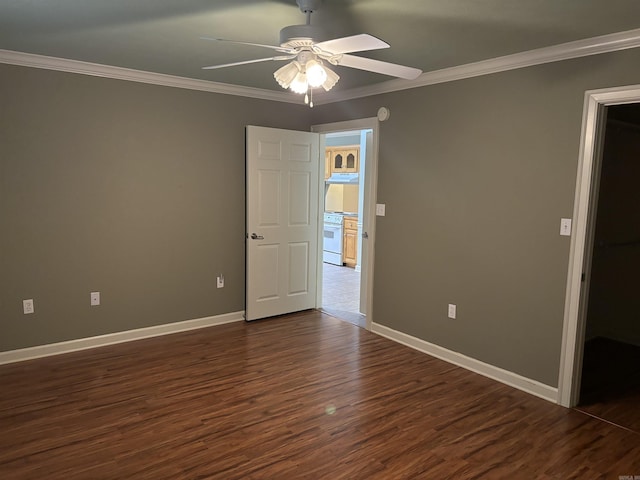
[610, 381]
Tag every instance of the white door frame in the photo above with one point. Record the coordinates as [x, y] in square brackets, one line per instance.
[579, 255]
[371, 192]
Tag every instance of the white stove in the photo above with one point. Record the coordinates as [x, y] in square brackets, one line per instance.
[332, 238]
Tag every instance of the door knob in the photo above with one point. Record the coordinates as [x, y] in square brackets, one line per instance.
[365, 235]
[255, 236]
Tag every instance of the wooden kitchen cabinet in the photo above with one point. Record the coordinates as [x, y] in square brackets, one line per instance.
[343, 159]
[327, 163]
[350, 244]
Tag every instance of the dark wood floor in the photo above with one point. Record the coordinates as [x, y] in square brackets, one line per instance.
[610, 387]
[301, 396]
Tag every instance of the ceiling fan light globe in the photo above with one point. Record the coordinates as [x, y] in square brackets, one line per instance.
[299, 84]
[316, 74]
[286, 74]
[331, 80]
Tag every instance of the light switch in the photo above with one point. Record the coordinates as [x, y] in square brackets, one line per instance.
[380, 209]
[565, 227]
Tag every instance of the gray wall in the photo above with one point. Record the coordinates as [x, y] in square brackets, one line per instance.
[133, 190]
[475, 175]
[137, 191]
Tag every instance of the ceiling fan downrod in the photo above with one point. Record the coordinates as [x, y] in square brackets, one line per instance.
[308, 7]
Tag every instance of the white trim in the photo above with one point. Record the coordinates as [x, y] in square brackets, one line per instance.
[127, 74]
[573, 326]
[514, 380]
[565, 51]
[118, 337]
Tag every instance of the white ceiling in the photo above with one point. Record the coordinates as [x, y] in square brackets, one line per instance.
[162, 36]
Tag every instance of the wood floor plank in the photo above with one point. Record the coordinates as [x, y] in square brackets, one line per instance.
[301, 396]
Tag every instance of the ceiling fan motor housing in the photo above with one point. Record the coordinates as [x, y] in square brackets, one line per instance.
[300, 35]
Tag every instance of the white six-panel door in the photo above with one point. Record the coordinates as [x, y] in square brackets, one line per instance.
[282, 221]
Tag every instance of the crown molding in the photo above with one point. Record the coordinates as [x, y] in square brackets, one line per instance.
[120, 73]
[565, 51]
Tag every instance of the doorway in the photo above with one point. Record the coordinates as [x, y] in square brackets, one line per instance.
[345, 166]
[346, 264]
[610, 376]
[583, 239]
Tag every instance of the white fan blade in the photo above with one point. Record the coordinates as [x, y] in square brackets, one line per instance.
[246, 62]
[386, 68]
[272, 47]
[355, 43]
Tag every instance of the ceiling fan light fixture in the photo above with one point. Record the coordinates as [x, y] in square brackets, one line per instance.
[287, 74]
[299, 77]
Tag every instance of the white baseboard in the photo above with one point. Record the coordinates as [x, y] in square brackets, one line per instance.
[29, 353]
[503, 376]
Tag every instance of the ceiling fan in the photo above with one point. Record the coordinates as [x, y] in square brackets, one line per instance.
[308, 69]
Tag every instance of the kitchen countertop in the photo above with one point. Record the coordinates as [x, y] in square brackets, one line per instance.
[346, 214]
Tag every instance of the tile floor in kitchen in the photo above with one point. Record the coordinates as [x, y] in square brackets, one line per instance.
[341, 293]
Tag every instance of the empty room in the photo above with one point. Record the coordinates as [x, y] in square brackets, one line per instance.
[177, 178]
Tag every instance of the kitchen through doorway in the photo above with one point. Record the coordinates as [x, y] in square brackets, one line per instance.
[343, 219]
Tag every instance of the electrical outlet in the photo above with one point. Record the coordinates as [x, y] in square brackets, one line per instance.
[27, 306]
[380, 209]
[565, 227]
[452, 311]
[95, 298]
[220, 281]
